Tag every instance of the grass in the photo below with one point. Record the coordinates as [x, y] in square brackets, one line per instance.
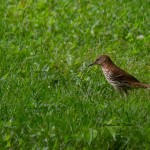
[49, 98]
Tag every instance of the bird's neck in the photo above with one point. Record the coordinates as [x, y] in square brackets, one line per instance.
[108, 65]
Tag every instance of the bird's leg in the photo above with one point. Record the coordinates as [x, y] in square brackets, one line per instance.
[123, 91]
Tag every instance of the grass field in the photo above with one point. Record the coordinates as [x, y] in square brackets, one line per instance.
[49, 98]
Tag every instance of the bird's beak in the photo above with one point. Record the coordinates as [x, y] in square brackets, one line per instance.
[91, 64]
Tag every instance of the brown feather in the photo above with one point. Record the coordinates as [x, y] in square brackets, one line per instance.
[117, 77]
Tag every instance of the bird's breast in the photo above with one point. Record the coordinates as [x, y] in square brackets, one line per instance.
[110, 77]
[107, 73]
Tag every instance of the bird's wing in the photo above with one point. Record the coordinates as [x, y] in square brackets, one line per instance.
[120, 74]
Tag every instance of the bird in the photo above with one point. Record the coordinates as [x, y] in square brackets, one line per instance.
[117, 77]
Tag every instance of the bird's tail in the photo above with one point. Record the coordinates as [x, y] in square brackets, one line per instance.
[140, 85]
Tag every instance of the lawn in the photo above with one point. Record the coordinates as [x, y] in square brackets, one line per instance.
[49, 98]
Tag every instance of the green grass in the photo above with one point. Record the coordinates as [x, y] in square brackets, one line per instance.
[49, 98]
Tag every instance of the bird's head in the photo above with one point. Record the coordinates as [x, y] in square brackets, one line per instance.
[101, 60]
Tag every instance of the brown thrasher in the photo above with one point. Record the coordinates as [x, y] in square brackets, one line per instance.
[117, 77]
